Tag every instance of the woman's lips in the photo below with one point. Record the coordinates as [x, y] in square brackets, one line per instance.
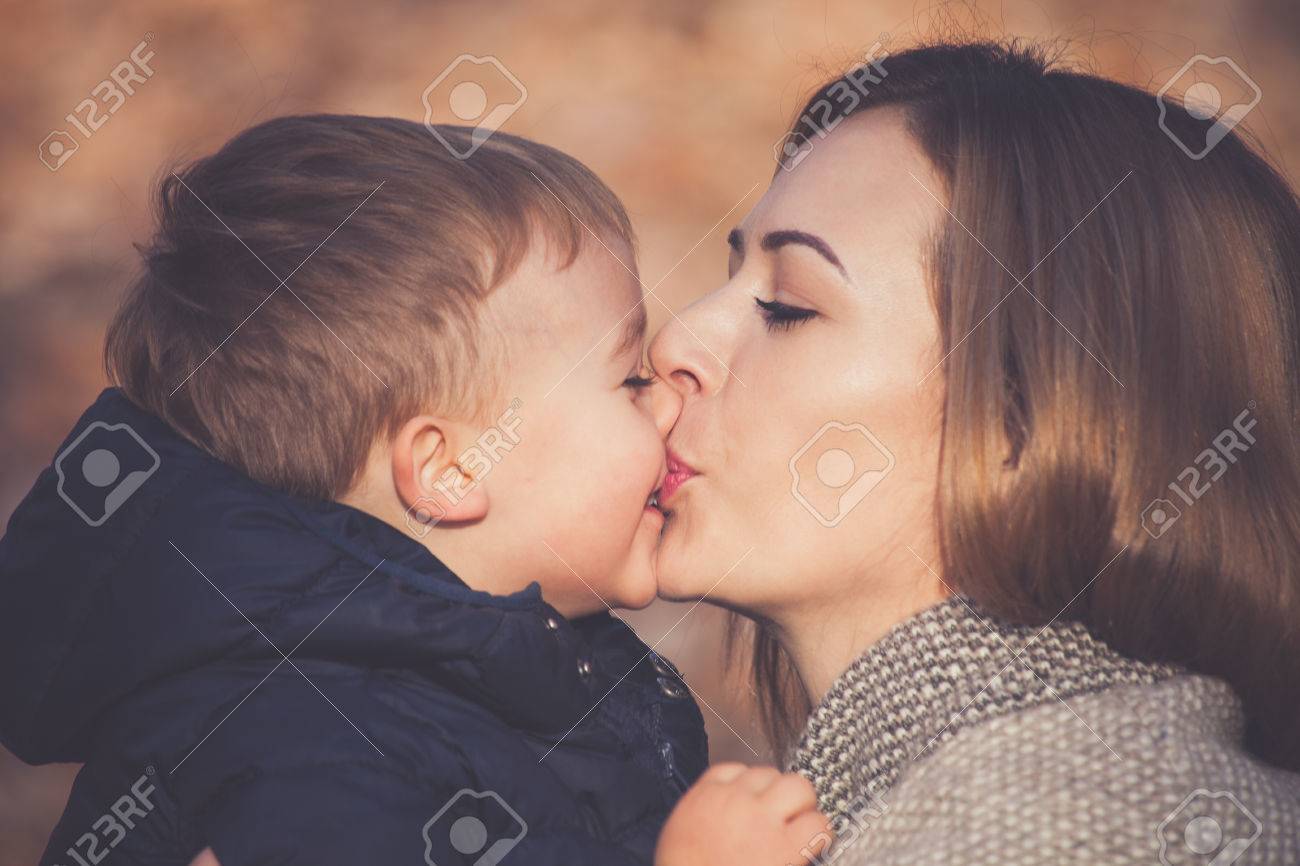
[679, 472]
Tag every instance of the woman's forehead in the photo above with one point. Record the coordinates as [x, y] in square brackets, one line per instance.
[865, 187]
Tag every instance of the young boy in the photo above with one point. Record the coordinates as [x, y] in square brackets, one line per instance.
[325, 578]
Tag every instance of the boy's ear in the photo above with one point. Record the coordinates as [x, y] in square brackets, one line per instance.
[429, 482]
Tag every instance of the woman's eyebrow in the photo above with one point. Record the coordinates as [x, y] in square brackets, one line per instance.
[774, 240]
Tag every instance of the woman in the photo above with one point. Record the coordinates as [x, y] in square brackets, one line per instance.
[991, 432]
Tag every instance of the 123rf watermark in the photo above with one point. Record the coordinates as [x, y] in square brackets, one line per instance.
[836, 468]
[111, 828]
[828, 112]
[1211, 827]
[473, 828]
[105, 99]
[845, 829]
[1189, 487]
[480, 92]
[471, 467]
[100, 469]
[1216, 101]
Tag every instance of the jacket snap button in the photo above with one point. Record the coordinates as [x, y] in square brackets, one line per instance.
[584, 668]
[552, 623]
[670, 688]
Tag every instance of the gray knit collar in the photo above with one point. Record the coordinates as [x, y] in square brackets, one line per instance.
[944, 670]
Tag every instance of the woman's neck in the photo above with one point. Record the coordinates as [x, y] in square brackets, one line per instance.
[824, 638]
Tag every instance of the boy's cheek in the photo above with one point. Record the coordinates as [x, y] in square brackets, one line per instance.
[539, 462]
[623, 455]
[646, 452]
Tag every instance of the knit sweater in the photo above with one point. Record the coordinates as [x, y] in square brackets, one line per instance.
[962, 739]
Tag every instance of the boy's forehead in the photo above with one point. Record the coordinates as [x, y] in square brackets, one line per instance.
[595, 300]
[632, 333]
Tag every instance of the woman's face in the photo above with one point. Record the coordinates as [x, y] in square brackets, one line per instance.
[811, 400]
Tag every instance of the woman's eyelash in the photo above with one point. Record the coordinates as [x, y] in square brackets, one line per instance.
[782, 316]
[636, 383]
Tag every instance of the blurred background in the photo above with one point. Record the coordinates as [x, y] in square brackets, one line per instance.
[676, 103]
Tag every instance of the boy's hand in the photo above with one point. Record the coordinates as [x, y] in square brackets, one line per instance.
[748, 816]
[205, 858]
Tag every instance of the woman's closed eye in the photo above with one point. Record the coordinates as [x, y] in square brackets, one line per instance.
[779, 316]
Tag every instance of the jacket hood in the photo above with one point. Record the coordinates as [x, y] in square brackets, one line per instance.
[137, 557]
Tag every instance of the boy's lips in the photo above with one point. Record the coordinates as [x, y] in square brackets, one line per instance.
[679, 472]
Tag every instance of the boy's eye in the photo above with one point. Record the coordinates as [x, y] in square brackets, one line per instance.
[779, 316]
[640, 380]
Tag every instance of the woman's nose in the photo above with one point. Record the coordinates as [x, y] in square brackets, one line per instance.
[665, 406]
[680, 357]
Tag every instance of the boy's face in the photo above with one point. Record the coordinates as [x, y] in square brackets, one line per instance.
[568, 502]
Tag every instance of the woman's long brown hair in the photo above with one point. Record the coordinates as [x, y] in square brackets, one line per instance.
[1165, 319]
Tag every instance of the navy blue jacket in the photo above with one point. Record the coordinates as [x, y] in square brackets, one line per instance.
[149, 597]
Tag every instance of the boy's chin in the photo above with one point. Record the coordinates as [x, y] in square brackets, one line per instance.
[679, 591]
[631, 589]
[637, 586]
[678, 576]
